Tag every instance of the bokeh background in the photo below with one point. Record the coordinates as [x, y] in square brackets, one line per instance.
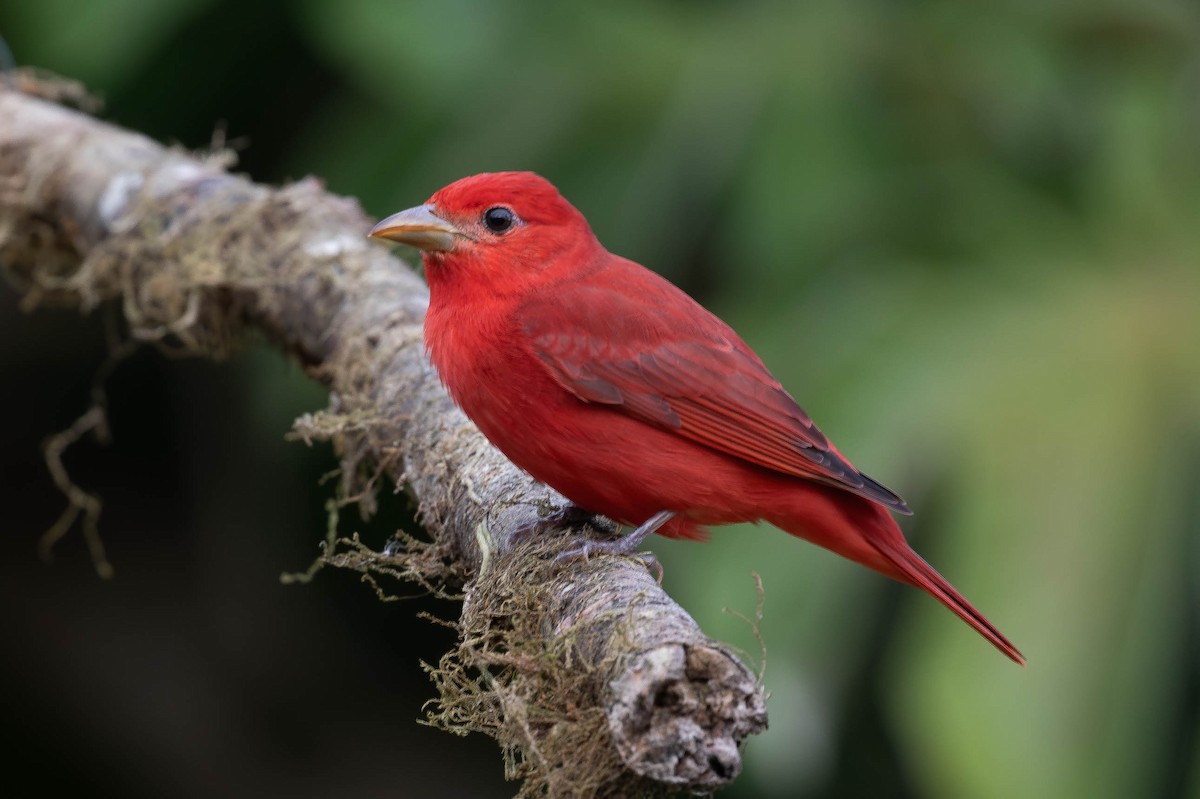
[966, 236]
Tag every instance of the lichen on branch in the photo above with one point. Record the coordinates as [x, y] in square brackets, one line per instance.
[585, 671]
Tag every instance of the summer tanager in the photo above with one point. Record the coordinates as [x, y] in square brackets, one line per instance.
[611, 385]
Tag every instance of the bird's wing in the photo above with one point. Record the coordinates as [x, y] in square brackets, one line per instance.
[652, 352]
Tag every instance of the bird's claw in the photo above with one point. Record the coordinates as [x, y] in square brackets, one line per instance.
[569, 515]
[619, 548]
[626, 545]
[652, 565]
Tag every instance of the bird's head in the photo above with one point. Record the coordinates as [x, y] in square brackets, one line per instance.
[502, 224]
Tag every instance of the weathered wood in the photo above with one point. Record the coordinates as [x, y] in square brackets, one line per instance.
[590, 677]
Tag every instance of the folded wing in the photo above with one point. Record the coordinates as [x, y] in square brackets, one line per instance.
[642, 346]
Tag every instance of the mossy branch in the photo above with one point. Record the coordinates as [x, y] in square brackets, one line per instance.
[590, 677]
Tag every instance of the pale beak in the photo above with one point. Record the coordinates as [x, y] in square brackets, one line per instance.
[418, 227]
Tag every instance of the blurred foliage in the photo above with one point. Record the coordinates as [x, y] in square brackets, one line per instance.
[966, 236]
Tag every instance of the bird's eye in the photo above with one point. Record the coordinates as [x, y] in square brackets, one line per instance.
[498, 218]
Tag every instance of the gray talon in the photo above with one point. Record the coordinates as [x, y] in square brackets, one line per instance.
[626, 545]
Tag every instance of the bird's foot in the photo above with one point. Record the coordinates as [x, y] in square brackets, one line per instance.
[569, 515]
[625, 545]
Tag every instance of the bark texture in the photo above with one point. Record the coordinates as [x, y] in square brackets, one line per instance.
[591, 678]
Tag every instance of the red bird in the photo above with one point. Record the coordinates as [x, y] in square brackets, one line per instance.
[608, 383]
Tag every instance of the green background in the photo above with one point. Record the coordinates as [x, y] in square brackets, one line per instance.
[966, 237]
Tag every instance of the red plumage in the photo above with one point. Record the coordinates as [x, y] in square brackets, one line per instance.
[611, 385]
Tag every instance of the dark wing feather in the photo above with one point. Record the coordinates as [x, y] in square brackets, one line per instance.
[667, 361]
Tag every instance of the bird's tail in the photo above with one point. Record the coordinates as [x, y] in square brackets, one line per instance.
[866, 533]
[915, 571]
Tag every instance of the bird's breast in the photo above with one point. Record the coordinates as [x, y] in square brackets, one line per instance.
[478, 353]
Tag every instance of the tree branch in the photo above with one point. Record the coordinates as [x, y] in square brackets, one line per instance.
[591, 678]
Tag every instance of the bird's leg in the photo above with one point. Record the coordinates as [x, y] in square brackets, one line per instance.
[626, 545]
[630, 543]
[569, 515]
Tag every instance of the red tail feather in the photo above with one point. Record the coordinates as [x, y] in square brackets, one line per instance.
[866, 533]
[917, 572]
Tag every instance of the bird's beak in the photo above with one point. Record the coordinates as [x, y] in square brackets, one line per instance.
[418, 227]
